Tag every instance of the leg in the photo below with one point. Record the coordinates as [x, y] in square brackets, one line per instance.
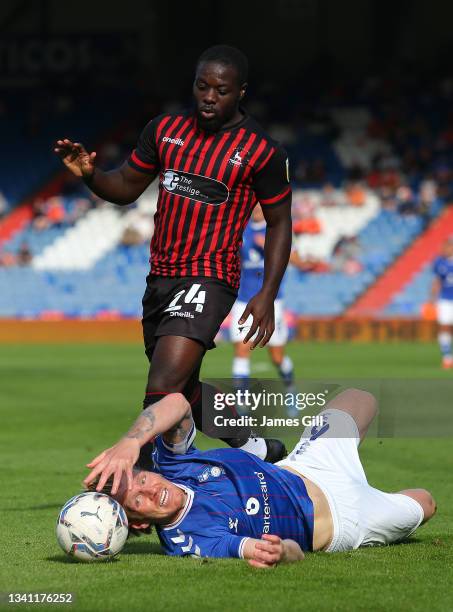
[444, 338]
[174, 362]
[283, 363]
[241, 359]
[241, 363]
[277, 344]
[361, 405]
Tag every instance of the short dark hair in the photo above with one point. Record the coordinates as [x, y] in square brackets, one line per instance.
[228, 56]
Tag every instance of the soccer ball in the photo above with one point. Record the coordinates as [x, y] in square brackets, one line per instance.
[92, 527]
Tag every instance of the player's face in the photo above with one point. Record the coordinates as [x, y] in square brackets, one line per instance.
[217, 94]
[152, 498]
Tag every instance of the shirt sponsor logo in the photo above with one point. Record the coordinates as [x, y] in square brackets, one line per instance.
[195, 186]
[266, 505]
[252, 506]
[176, 141]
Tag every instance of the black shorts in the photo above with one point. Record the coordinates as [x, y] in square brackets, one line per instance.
[189, 306]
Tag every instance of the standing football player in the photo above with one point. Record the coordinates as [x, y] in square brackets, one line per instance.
[214, 163]
[442, 293]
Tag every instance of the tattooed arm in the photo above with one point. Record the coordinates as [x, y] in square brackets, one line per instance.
[170, 416]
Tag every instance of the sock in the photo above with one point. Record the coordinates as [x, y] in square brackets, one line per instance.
[444, 339]
[241, 367]
[255, 446]
[286, 370]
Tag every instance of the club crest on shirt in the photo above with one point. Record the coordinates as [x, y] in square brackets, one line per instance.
[238, 157]
[215, 471]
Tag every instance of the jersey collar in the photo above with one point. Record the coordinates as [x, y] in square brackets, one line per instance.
[186, 509]
[230, 128]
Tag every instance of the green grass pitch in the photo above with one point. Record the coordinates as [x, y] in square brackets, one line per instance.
[61, 405]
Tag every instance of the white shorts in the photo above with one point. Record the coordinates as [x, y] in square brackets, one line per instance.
[445, 312]
[361, 514]
[278, 338]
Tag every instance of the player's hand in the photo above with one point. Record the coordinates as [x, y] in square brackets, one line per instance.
[76, 158]
[115, 461]
[268, 552]
[261, 307]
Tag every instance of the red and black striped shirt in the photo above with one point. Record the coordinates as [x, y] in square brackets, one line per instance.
[209, 185]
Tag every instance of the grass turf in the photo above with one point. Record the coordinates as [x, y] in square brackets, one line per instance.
[61, 405]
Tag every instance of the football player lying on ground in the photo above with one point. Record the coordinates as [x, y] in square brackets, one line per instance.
[229, 503]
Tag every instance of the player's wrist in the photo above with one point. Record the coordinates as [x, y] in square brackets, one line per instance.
[88, 178]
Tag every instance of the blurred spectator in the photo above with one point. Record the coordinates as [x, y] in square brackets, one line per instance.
[406, 202]
[346, 255]
[24, 255]
[39, 220]
[79, 208]
[355, 194]
[55, 211]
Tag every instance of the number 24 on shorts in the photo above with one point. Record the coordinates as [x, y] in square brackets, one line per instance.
[193, 296]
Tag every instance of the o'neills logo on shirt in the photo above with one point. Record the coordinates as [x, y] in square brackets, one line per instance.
[176, 141]
[195, 186]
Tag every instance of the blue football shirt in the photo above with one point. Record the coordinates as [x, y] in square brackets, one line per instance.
[252, 262]
[231, 496]
[443, 269]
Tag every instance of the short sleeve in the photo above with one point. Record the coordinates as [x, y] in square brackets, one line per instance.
[271, 182]
[144, 158]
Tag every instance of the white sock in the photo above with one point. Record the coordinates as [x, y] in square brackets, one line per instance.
[444, 339]
[241, 367]
[255, 446]
[286, 366]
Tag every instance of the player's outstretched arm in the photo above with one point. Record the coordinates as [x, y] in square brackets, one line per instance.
[171, 414]
[277, 249]
[271, 550]
[120, 186]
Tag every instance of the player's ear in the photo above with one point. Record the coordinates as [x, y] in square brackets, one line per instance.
[242, 90]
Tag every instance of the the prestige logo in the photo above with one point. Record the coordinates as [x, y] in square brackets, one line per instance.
[195, 186]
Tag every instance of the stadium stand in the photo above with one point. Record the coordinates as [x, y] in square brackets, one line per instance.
[367, 185]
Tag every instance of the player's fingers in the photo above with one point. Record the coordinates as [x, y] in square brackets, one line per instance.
[130, 477]
[258, 564]
[260, 336]
[275, 539]
[245, 315]
[92, 475]
[265, 557]
[96, 460]
[252, 331]
[266, 547]
[117, 479]
[105, 475]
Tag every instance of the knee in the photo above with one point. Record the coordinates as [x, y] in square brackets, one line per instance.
[358, 401]
[426, 501]
[165, 381]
